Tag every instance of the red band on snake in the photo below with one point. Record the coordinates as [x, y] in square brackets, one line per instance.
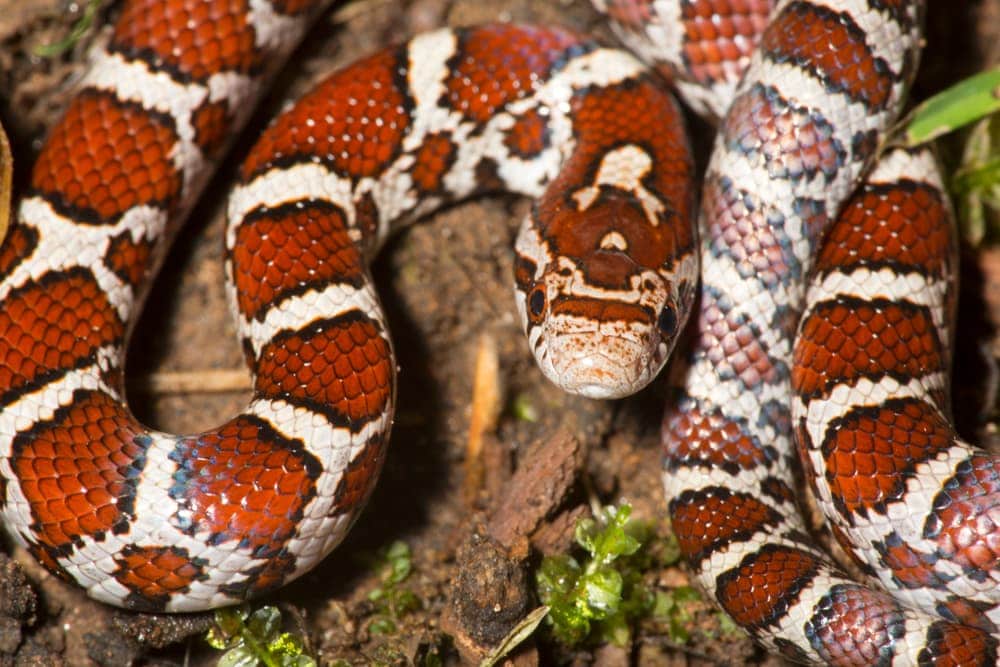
[605, 276]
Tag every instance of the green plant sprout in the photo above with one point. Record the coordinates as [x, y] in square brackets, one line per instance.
[523, 409]
[80, 28]
[975, 183]
[673, 609]
[601, 598]
[391, 601]
[965, 102]
[252, 639]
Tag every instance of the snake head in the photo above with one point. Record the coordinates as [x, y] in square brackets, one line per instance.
[596, 337]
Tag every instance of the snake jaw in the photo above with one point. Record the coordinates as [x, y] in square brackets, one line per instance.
[601, 366]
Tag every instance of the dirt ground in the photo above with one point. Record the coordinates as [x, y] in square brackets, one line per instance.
[447, 286]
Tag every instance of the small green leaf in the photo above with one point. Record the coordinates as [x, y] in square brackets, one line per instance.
[255, 638]
[603, 591]
[976, 183]
[398, 556]
[620, 543]
[728, 626]
[79, 30]
[585, 534]
[678, 632]
[296, 661]
[228, 623]
[391, 601]
[686, 594]
[557, 576]
[963, 103]
[286, 644]
[601, 597]
[671, 551]
[241, 656]
[673, 608]
[616, 630]
[405, 601]
[264, 623]
[382, 625]
[216, 639]
[523, 409]
[568, 624]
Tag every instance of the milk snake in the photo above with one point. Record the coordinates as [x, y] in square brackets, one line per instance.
[153, 521]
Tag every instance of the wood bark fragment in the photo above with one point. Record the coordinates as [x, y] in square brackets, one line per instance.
[493, 591]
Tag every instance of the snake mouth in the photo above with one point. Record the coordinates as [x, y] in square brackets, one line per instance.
[600, 367]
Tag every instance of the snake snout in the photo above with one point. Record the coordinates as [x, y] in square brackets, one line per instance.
[602, 367]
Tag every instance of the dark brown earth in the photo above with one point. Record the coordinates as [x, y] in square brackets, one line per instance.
[446, 284]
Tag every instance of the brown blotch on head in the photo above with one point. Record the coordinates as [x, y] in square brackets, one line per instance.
[579, 234]
[608, 119]
[524, 271]
[601, 310]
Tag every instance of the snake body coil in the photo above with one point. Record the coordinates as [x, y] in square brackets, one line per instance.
[606, 273]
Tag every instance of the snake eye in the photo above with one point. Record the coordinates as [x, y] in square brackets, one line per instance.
[536, 303]
[667, 321]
